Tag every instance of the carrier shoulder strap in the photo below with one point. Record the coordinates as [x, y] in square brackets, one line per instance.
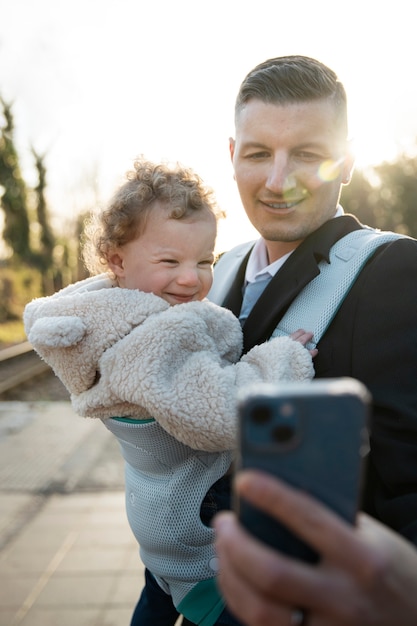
[316, 305]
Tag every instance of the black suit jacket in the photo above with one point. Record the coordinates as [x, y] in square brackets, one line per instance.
[372, 338]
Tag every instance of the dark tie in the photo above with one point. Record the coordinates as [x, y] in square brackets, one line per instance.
[253, 291]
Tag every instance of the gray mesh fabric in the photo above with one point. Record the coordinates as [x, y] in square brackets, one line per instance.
[166, 482]
[314, 308]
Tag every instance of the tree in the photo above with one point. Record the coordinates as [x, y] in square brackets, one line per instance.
[357, 198]
[385, 195]
[16, 231]
[46, 239]
[398, 194]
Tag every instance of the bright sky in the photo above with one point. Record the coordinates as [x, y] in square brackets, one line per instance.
[97, 82]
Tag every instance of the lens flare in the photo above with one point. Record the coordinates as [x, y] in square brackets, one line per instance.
[293, 190]
[290, 183]
[329, 170]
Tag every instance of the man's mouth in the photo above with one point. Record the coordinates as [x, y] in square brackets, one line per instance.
[288, 204]
[287, 200]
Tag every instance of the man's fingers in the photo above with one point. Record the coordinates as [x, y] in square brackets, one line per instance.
[331, 536]
[249, 579]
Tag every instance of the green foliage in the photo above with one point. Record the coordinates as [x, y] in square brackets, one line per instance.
[43, 258]
[385, 196]
[14, 198]
[398, 194]
[27, 231]
[18, 286]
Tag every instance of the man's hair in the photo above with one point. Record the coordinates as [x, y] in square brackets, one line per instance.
[292, 79]
[176, 188]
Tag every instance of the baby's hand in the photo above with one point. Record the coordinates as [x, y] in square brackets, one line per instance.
[304, 337]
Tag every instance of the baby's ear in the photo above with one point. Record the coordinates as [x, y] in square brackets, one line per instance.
[57, 332]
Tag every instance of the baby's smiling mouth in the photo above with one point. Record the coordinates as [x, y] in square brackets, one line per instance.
[183, 297]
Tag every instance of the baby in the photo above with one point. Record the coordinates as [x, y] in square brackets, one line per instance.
[140, 348]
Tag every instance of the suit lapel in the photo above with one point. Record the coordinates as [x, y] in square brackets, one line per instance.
[231, 267]
[277, 297]
[234, 297]
[299, 269]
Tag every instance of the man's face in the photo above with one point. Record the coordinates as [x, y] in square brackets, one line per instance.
[289, 162]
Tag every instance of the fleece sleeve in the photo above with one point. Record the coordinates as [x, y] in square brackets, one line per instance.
[71, 329]
[178, 366]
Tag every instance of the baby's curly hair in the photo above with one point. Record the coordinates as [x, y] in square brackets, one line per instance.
[176, 187]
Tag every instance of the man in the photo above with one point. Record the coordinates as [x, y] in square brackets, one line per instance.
[291, 157]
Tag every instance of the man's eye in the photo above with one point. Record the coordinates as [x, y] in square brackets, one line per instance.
[310, 156]
[257, 155]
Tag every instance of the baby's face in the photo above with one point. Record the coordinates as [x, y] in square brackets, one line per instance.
[173, 258]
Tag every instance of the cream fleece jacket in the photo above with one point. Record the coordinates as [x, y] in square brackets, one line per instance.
[127, 353]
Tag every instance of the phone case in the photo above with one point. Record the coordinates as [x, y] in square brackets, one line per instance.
[312, 435]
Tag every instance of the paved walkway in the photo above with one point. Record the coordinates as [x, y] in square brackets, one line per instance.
[74, 563]
[67, 554]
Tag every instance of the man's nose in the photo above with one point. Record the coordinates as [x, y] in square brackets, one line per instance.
[279, 175]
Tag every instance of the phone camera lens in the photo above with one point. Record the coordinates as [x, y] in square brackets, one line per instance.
[283, 433]
[261, 415]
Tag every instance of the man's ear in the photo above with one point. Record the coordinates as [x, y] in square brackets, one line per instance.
[116, 264]
[348, 165]
[232, 144]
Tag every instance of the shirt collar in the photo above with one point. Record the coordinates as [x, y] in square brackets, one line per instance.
[258, 265]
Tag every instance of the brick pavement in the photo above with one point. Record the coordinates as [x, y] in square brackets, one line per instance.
[67, 554]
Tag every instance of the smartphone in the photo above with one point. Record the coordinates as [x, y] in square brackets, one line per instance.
[313, 435]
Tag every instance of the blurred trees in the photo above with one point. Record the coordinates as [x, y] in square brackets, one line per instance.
[46, 238]
[14, 197]
[386, 195]
[36, 262]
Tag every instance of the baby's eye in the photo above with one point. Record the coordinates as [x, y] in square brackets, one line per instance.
[169, 261]
[206, 263]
